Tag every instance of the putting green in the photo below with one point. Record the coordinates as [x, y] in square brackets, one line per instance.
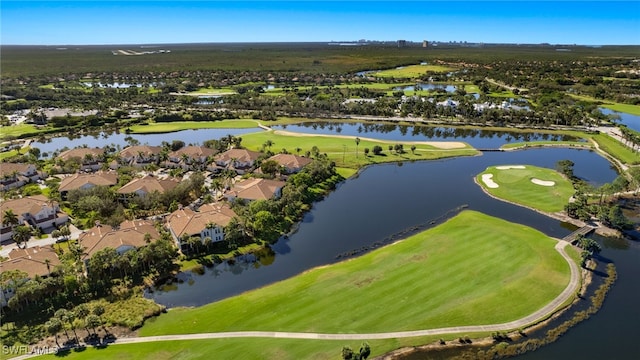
[539, 188]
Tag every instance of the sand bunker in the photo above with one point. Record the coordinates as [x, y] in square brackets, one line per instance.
[487, 179]
[507, 167]
[543, 182]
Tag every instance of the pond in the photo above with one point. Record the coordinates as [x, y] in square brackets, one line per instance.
[478, 138]
[631, 121]
[428, 86]
[381, 201]
[119, 139]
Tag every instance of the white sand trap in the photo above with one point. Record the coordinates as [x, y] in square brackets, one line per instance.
[543, 182]
[487, 180]
[507, 167]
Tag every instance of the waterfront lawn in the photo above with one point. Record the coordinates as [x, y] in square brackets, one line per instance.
[212, 91]
[616, 149]
[165, 127]
[526, 144]
[515, 185]
[412, 71]
[615, 106]
[242, 348]
[473, 269]
[14, 131]
[342, 149]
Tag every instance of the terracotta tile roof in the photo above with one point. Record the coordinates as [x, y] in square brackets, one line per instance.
[146, 150]
[28, 204]
[187, 221]
[290, 161]
[148, 184]
[255, 189]
[81, 153]
[130, 234]
[7, 169]
[193, 152]
[31, 260]
[79, 180]
[241, 155]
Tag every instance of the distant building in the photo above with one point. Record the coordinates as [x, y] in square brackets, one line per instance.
[239, 160]
[402, 43]
[88, 158]
[425, 43]
[290, 163]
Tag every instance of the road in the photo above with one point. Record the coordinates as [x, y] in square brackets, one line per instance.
[548, 309]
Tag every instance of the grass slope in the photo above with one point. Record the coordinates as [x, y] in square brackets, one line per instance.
[515, 186]
[342, 150]
[473, 269]
[165, 127]
[616, 149]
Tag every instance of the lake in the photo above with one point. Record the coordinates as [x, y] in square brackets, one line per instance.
[103, 139]
[478, 138]
[631, 121]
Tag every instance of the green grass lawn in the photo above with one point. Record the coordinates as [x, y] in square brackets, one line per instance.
[515, 185]
[255, 348]
[580, 144]
[474, 269]
[412, 71]
[213, 91]
[617, 149]
[342, 150]
[165, 127]
[615, 106]
[17, 130]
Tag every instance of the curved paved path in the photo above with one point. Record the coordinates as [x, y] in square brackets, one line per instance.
[548, 309]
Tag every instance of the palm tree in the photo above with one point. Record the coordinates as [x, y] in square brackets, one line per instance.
[268, 144]
[357, 143]
[10, 218]
[53, 326]
[21, 234]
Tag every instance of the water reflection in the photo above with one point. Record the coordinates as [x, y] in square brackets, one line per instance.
[478, 138]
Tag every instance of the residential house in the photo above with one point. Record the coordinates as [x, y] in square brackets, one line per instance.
[89, 159]
[208, 222]
[140, 155]
[146, 185]
[238, 159]
[190, 156]
[15, 175]
[289, 163]
[131, 234]
[35, 261]
[255, 189]
[82, 181]
[36, 211]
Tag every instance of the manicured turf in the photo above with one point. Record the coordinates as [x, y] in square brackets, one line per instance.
[620, 107]
[515, 186]
[474, 269]
[258, 348]
[17, 130]
[616, 149]
[579, 144]
[165, 127]
[343, 150]
[412, 71]
[213, 91]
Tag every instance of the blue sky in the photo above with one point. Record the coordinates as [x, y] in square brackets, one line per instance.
[145, 22]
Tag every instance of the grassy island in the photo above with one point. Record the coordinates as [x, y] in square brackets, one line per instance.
[539, 188]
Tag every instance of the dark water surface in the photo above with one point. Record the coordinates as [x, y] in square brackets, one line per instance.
[382, 201]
